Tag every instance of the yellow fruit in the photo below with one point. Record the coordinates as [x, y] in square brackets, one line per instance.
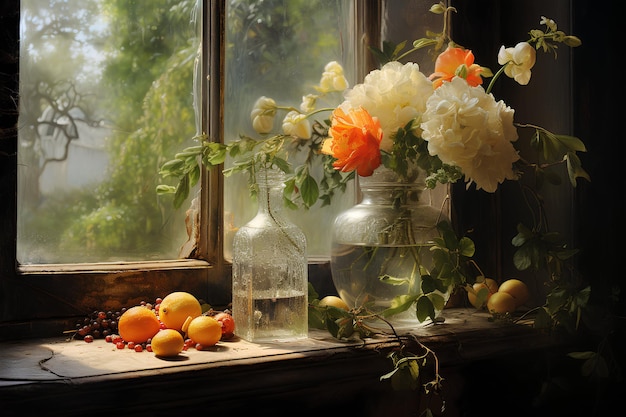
[501, 302]
[167, 342]
[517, 289]
[331, 300]
[138, 324]
[204, 330]
[489, 284]
[176, 307]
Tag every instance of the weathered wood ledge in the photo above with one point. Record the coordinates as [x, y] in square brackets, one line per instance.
[64, 378]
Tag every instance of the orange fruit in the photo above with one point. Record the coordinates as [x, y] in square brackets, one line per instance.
[176, 307]
[479, 298]
[517, 289]
[334, 301]
[501, 302]
[138, 324]
[167, 342]
[204, 330]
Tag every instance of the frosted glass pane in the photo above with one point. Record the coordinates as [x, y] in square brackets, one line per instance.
[278, 49]
[105, 98]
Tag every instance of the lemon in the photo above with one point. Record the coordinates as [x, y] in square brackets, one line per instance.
[490, 285]
[176, 307]
[334, 301]
[167, 343]
[204, 330]
[501, 302]
[517, 289]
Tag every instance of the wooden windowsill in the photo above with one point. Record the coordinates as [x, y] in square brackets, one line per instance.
[60, 377]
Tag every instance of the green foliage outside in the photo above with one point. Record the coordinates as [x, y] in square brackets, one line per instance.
[147, 102]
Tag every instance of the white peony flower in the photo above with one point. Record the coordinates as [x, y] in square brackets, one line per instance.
[333, 78]
[263, 114]
[466, 127]
[296, 124]
[395, 94]
[518, 61]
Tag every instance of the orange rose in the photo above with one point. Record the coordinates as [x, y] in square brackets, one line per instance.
[354, 141]
[447, 67]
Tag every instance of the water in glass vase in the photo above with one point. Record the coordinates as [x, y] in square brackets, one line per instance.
[359, 271]
[272, 316]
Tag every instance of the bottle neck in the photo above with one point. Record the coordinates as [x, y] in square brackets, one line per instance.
[270, 185]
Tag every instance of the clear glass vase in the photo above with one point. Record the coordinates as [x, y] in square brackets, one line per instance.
[270, 270]
[381, 246]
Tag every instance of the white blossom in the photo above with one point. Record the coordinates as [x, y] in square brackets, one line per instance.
[333, 78]
[518, 60]
[466, 127]
[263, 114]
[297, 124]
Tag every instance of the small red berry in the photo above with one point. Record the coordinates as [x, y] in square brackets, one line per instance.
[120, 345]
[88, 338]
[138, 348]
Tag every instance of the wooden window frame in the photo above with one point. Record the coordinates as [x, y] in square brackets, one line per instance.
[36, 299]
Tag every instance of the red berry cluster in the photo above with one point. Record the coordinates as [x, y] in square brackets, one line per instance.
[103, 325]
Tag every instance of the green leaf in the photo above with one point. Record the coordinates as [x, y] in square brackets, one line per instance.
[192, 151]
[425, 309]
[282, 164]
[428, 284]
[172, 168]
[399, 304]
[438, 303]
[574, 168]
[309, 190]
[214, 154]
[165, 189]
[523, 235]
[572, 143]
[182, 192]
[542, 319]
[194, 175]
[524, 257]
[312, 293]
[467, 247]
[596, 366]
[582, 355]
[388, 279]
[423, 42]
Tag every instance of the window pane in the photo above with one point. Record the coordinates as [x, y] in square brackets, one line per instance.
[106, 98]
[278, 49]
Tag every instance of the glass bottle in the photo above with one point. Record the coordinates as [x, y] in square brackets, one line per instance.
[270, 270]
[387, 235]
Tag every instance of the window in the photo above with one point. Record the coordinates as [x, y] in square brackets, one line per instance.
[93, 126]
[47, 293]
[72, 280]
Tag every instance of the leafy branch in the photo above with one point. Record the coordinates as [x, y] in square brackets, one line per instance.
[301, 186]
